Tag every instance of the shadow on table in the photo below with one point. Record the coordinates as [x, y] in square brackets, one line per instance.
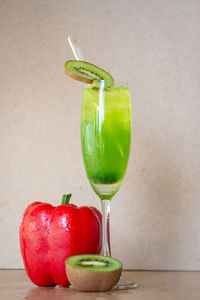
[61, 293]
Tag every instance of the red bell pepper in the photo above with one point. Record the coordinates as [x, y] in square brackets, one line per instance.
[48, 235]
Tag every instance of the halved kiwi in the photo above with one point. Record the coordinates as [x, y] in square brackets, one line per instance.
[91, 272]
[88, 73]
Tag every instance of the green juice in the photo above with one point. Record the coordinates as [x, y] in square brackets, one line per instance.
[105, 137]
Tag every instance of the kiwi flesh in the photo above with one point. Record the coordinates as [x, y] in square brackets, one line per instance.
[92, 272]
[87, 73]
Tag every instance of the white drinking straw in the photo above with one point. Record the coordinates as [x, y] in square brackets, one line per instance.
[75, 47]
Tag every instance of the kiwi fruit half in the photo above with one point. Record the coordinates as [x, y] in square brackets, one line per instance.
[88, 73]
[93, 273]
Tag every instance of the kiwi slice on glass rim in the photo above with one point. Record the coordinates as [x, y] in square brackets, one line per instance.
[92, 272]
[88, 73]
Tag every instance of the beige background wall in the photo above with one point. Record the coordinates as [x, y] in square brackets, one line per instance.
[152, 44]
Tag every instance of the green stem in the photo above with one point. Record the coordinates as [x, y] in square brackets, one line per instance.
[66, 199]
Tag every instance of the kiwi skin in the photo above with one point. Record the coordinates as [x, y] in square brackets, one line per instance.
[92, 281]
[87, 281]
[76, 77]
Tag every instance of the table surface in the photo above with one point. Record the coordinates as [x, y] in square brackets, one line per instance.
[153, 285]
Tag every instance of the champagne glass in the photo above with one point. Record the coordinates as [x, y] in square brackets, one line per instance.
[105, 141]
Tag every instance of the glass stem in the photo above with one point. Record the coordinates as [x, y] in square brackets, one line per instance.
[105, 208]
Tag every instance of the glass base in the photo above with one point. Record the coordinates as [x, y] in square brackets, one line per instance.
[124, 284]
[106, 191]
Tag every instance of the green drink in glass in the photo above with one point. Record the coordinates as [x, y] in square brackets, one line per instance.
[105, 137]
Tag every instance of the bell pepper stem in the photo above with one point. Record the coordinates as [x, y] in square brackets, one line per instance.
[66, 199]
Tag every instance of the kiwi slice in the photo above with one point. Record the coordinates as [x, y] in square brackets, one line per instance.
[93, 273]
[88, 73]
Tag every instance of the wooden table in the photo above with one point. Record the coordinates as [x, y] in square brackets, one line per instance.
[14, 284]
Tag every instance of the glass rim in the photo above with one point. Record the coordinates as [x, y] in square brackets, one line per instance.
[116, 83]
